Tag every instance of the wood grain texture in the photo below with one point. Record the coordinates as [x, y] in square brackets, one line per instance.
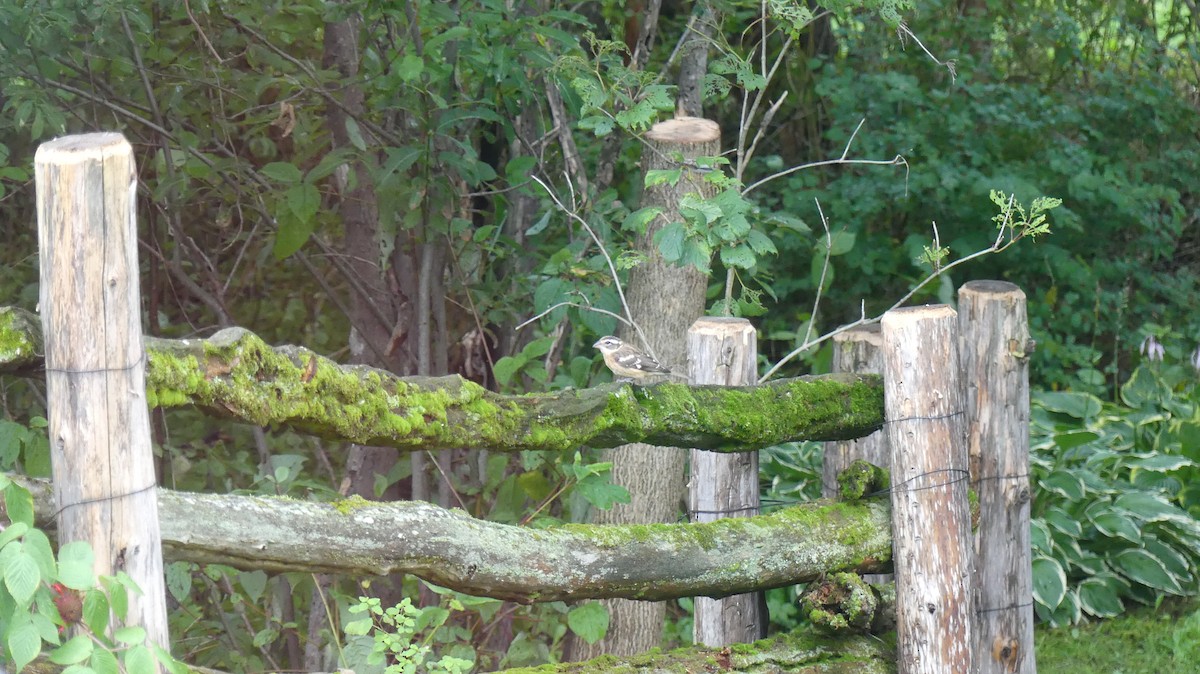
[724, 352]
[995, 349]
[91, 320]
[858, 350]
[924, 407]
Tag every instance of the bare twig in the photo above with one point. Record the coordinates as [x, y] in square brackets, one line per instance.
[904, 31]
[998, 246]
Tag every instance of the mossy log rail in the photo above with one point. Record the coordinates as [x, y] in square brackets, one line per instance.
[574, 561]
[235, 375]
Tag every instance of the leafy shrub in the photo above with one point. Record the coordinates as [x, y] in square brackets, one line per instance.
[1111, 520]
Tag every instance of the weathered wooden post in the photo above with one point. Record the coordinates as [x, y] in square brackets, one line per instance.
[724, 351]
[857, 350]
[995, 366]
[924, 408]
[100, 451]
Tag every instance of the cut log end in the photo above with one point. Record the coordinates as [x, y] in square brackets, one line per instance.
[685, 130]
[992, 288]
[82, 147]
[871, 333]
[899, 318]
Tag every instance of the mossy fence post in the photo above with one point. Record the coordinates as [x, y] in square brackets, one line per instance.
[104, 481]
[931, 549]
[856, 350]
[995, 363]
[724, 351]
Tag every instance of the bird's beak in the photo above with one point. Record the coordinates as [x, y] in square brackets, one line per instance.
[597, 344]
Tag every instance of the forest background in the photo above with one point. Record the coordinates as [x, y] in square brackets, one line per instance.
[378, 182]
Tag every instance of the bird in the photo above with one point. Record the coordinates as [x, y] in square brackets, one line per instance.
[627, 361]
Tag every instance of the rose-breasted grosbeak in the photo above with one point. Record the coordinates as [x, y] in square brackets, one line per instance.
[627, 361]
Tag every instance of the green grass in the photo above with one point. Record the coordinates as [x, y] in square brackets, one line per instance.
[1165, 640]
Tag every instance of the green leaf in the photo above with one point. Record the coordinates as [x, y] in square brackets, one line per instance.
[22, 577]
[179, 580]
[589, 621]
[104, 662]
[838, 243]
[697, 254]
[96, 611]
[254, 583]
[78, 649]
[18, 504]
[1150, 507]
[663, 176]
[355, 134]
[669, 241]
[1059, 519]
[37, 545]
[504, 369]
[1071, 439]
[358, 627]
[637, 220]
[761, 243]
[738, 256]
[1115, 524]
[1049, 582]
[130, 635]
[139, 660]
[601, 493]
[303, 200]
[76, 564]
[1142, 567]
[1078, 405]
[1065, 483]
[1161, 463]
[410, 67]
[283, 172]
[24, 642]
[1098, 599]
[292, 235]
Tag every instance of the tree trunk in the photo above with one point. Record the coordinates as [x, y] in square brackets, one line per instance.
[664, 299]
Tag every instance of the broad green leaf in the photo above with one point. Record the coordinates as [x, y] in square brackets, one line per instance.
[24, 642]
[292, 235]
[37, 545]
[254, 583]
[130, 635]
[504, 369]
[1142, 567]
[283, 172]
[179, 580]
[139, 660]
[410, 67]
[303, 200]
[1076, 438]
[104, 662]
[669, 241]
[601, 493]
[1150, 507]
[761, 243]
[1049, 582]
[698, 254]
[21, 577]
[837, 243]
[1115, 524]
[19, 504]
[76, 563]
[78, 649]
[1142, 389]
[1078, 405]
[1059, 519]
[1098, 599]
[550, 292]
[662, 177]
[1161, 463]
[96, 611]
[637, 220]
[589, 621]
[1064, 483]
[739, 256]
[535, 484]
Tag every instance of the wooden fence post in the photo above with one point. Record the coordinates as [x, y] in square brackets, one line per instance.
[857, 350]
[100, 452]
[724, 351]
[924, 409]
[995, 366]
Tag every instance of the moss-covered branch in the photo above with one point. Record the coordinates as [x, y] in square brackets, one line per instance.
[450, 548]
[234, 374]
